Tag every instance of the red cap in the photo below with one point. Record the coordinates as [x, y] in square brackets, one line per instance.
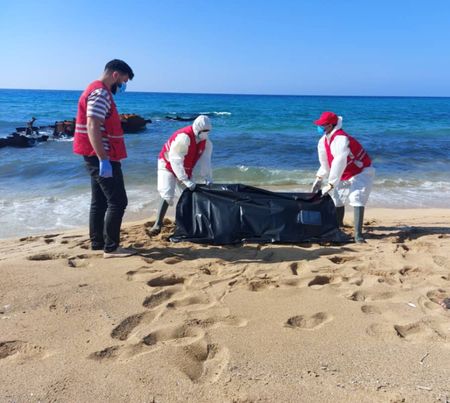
[326, 118]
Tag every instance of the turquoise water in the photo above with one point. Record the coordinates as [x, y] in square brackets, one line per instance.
[265, 141]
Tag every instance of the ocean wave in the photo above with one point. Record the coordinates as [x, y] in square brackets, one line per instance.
[40, 214]
[214, 113]
[24, 215]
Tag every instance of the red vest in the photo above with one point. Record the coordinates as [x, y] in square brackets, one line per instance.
[112, 135]
[194, 153]
[357, 159]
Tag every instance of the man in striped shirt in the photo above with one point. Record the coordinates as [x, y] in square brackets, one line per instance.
[99, 139]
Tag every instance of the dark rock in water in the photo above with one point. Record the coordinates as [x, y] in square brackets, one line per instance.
[41, 138]
[18, 140]
[132, 123]
[64, 129]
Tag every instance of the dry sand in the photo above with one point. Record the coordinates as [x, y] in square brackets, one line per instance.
[252, 323]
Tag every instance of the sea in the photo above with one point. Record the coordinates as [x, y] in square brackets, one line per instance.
[266, 141]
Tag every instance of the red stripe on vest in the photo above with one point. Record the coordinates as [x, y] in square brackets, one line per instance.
[194, 153]
[113, 128]
[357, 160]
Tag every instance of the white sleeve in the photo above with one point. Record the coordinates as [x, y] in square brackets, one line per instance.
[205, 162]
[178, 150]
[323, 159]
[340, 150]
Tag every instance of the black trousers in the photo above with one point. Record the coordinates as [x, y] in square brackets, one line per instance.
[108, 203]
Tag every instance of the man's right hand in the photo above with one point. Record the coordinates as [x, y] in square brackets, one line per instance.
[105, 169]
[317, 185]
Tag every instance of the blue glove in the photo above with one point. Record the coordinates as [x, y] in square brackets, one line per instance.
[105, 169]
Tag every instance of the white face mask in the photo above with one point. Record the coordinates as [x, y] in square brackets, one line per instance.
[203, 135]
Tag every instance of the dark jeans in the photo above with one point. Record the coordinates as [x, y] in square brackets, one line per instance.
[108, 203]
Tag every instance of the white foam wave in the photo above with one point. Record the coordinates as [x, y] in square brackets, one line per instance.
[21, 216]
[216, 113]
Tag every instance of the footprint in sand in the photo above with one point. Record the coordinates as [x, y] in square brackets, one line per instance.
[341, 259]
[158, 298]
[180, 335]
[213, 322]
[141, 273]
[408, 271]
[358, 296]
[382, 331]
[123, 330]
[423, 330]
[440, 261]
[83, 244]
[172, 260]
[164, 281]
[438, 295]
[107, 353]
[292, 282]
[294, 268]
[47, 256]
[367, 296]
[201, 299]
[309, 322]
[78, 261]
[401, 248]
[18, 348]
[29, 239]
[202, 362]
[370, 309]
[321, 280]
[262, 284]
[428, 305]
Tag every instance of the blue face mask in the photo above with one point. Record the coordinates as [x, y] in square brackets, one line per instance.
[121, 88]
[320, 130]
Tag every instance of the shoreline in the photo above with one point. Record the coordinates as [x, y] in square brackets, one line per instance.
[370, 213]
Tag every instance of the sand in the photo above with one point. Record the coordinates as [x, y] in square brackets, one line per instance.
[251, 323]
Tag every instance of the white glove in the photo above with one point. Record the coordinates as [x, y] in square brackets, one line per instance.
[326, 190]
[190, 185]
[316, 185]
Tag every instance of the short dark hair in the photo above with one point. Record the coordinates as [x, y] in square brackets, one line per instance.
[121, 66]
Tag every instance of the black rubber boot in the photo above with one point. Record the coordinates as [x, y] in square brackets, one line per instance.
[162, 210]
[340, 211]
[358, 224]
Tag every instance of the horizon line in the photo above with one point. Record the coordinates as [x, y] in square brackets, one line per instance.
[243, 94]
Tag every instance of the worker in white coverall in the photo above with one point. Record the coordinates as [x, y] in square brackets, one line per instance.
[177, 159]
[348, 168]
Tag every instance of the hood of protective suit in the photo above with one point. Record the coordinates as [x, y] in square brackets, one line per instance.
[202, 122]
[337, 127]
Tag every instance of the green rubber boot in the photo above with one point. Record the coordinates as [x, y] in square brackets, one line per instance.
[358, 224]
[340, 211]
[162, 210]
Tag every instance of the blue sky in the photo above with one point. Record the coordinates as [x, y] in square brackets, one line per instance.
[310, 47]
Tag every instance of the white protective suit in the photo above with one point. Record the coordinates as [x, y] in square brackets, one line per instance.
[356, 189]
[167, 181]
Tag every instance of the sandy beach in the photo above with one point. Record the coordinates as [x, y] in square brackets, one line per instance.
[250, 323]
